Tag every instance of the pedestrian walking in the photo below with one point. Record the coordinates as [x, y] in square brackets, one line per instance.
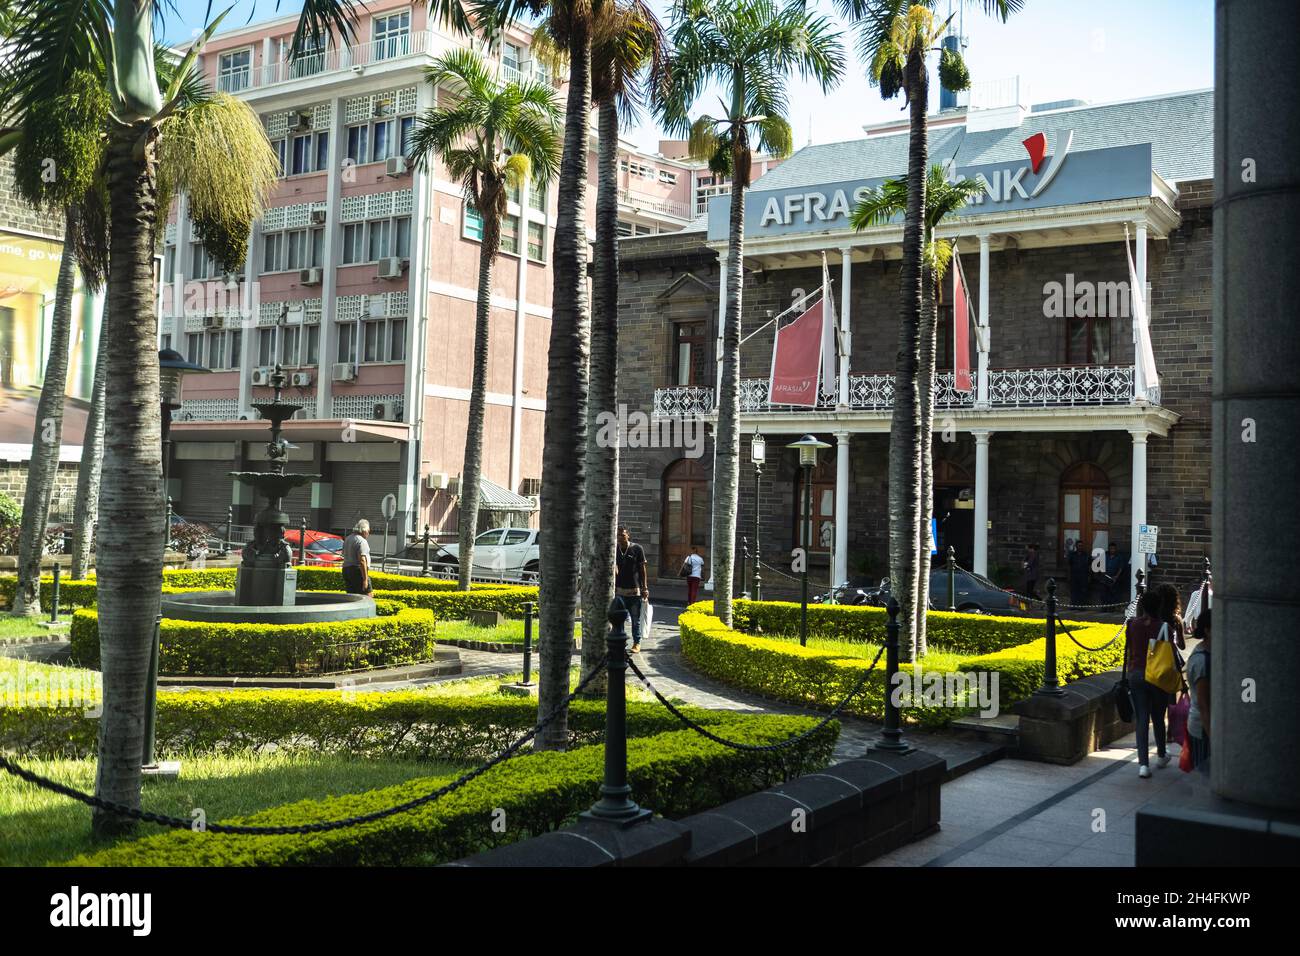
[356, 559]
[1030, 565]
[1150, 703]
[693, 571]
[630, 582]
[1076, 558]
[1198, 683]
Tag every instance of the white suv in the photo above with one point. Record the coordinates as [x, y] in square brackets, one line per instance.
[511, 552]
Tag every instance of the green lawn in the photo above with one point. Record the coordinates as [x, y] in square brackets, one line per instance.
[511, 632]
[12, 626]
[937, 658]
[38, 827]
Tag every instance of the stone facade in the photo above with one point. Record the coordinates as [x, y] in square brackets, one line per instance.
[668, 278]
[13, 482]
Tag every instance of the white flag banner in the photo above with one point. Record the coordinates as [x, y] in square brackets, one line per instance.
[1148, 378]
[830, 381]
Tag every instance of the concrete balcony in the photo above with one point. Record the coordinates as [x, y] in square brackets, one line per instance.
[353, 58]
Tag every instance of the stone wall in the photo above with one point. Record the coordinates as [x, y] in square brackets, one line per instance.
[13, 481]
[16, 214]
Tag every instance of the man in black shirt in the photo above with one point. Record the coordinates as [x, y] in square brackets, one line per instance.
[630, 583]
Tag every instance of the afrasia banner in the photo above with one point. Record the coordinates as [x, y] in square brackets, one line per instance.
[960, 328]
[796, 360]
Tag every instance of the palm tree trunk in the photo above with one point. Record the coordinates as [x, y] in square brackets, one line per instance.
[929, 328]
[92, 460]
[904, 443]
[601, 511]
[472, 471]
[130, 546]
[47, 436]
[564, 449]
[726, 437]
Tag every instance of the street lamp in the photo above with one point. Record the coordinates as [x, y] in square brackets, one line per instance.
[758, 455]
[172, 367]
[808, 447]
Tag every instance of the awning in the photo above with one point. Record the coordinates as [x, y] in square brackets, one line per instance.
[492, 497]
[296, 430]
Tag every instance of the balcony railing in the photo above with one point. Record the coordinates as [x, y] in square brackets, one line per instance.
[331, 61]
[1080, 386]
[667, 207]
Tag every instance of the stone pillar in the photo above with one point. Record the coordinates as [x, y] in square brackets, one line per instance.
[1138, 507]
[841, 507]
[1256, 404]
[980, 561]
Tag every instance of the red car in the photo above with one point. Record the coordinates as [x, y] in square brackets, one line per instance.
[323, 548]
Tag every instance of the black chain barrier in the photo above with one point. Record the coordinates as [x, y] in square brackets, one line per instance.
[779, 745]
[1118, 635]
[1033, 600]
[180, 823]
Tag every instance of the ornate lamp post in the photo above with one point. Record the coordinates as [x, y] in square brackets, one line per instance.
[808, 447]
[758, 455]
[172, 367]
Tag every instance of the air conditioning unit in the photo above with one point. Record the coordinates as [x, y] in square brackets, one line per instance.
[383, 107]
[214, 321]
[251, 415]
[302, 414]
[435, 480]
[261, 376]
[302, 123]
[453, 486]
[395, 166]
[344, 372]
[300, 379]
[530, 487]
[391, 268]
[309, 277]
[318, 217]
[384, 412]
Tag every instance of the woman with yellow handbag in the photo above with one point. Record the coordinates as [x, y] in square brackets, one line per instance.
[1152, 634]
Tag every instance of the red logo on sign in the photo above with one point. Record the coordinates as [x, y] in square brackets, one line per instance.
[1036, 146]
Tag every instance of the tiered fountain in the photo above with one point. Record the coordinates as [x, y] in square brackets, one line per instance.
[266, 589]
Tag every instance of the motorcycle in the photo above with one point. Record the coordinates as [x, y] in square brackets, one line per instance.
[845, 593]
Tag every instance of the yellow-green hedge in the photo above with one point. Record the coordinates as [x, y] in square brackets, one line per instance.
[218, 648]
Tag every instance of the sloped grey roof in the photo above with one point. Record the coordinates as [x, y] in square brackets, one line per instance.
[492, 497]
[1179, 127]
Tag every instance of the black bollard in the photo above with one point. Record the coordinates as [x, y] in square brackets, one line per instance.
[1050, 686]
[1206, 576]
[1140, 585]
[426, 550]
[744, 567]
[302, 541]
[952, 579]
[891, 737]
[528, 643]
[616, 804]
[54, 595]
[230, 521]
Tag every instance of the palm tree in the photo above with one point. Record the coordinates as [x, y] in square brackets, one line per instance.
[488, 140]
[749, 48]
[222, 158]
[58, 152]
[92, 460]
[876, 207]
[894, 37]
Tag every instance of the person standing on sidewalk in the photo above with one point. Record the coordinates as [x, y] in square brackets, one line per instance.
[356, 559]
[630, 582]
[1031, 571]
[1150, 703]
[1198, 682]
[693, 571]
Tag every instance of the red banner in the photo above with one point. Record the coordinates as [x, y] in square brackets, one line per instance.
[796, 358]
[960, 329]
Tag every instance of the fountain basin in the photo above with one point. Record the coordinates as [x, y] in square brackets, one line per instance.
[308, 607]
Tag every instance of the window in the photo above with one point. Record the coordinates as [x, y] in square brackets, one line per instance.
[236, 348]
[272, 251]
[194, 348]
[289, 344]
[354, 249]
[279, 147]
[380, 239]
[510, 61]
[312, 59]
[377, 141]
[347, 342]
[235, 71]
[311, 345]
[290, 251]
[537, 195]
[402, 237]
[516, 536]
[202, 265]
[397, 340]
[1087, 341]
[165, 342]
[169, 263]
[537, 241]
[266, 346]
[407, 125]
[510, 234]
[540, 72]
[667, 178]
[358, 143]
[392, 35]
[217, 357]
[823, 509]
[689, 344]
[473, 223]
[372, 341]
[310, 154]
[322, 151]
[382, 141]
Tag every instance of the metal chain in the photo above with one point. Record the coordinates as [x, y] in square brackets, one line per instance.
[782, 573]
[184, 824]
[1118, 635]
[789, 741]
[1033, 600]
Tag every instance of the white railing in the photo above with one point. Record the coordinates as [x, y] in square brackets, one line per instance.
[1052, 387]
[345, 58]
[668, 207]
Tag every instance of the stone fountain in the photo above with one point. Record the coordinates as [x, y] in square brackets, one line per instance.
[266, 588]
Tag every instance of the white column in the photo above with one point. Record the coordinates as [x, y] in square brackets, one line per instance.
[722, 324]
[981, 555]
[328, 353]
[1137, 560]
[1140, 384]
[841, 506]
[521, 304]
[982, 356]
[846, 268]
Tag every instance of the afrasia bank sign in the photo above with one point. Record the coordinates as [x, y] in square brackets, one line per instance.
[1061, 178]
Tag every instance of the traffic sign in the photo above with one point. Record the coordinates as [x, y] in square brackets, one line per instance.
[1147, 534]
[388, 506]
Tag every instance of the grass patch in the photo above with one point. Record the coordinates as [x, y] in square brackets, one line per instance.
[510, 632]
[38, 827]
[15, 627]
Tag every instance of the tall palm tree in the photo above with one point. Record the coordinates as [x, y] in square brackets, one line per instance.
[488, 139]
[879, 206]
[58, 152]
[628, 41]
[92, 461]
[226, 165]
[894, 38]
[749, 48]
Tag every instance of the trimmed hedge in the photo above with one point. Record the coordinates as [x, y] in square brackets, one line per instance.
[677, 774]
[960, 633]
[822, 678]
[455, 605]
[218, 648]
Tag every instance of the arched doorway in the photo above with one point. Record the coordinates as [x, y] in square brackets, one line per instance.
[954, 512]
[686, 507]
[823, 508]
[1085, 508]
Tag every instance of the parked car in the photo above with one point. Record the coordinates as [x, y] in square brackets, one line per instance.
[972, 597]
[323, 549]
[510, 552]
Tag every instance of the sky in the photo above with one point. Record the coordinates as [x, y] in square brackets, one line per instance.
[1099, 51]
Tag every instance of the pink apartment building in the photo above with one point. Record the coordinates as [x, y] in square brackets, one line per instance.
[361, 281]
